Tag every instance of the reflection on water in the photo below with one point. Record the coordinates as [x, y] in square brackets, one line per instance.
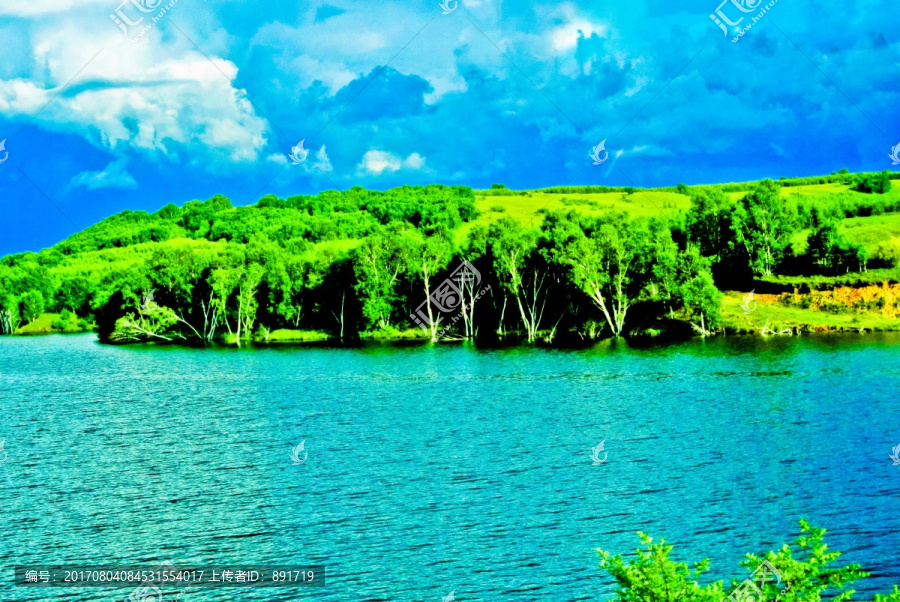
[431, 469]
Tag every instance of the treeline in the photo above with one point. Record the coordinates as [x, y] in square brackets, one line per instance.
[843, 177]
[360, 263]
[858, 181]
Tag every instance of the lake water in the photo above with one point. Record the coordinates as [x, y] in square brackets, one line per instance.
[433, 469]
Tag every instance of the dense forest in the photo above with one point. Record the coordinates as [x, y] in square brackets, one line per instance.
[359, 263]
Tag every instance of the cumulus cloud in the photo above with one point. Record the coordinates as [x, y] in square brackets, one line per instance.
[322, 163]
[126, 98]
[376, 162]
[345, 76]
[24, 8]
[113, 176]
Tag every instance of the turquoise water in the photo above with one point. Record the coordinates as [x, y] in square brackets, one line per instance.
[448, 468]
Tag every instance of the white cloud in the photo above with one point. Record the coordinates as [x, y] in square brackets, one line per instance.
[323, 163]
[376, 162]
[113, 176]
[129, 97]
[414, 161]
[24, 8]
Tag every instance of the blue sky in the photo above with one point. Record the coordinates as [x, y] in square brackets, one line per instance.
[212, 96]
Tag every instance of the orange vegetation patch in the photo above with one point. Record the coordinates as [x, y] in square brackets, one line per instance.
[883, 299]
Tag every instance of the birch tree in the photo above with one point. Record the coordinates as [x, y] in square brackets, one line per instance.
[378, 264]
[425, 257]
[605, 265]
[763, 226]
[521, 270]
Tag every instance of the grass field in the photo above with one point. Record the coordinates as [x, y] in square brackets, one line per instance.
[44, 325]
[780, 317]
[286, 335]
[525, 207]
[872, 230]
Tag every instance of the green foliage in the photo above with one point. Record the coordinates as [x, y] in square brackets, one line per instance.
[32, 305]
[605, 262]
[762, 226]
[653, 576]
[698, 293]
[875, 183]
[10, 315]
[889, 252]
[894, 596]
[64, 321]
[380, 262]
[348, 262]
[709, 221]
[807, 568]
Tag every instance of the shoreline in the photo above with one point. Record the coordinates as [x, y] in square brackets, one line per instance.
[561, 342]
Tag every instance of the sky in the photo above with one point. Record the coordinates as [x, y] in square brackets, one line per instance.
[107, 106]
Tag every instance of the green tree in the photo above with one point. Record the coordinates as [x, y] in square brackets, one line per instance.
[222, 283]
[10, 315]
[894, 596]
[763, 226]
[378, 263]
[878, 183]
[824, 236]
[149, 321]
[654, 577]
[247, 303]
[424, 258]
[520, 270]
[806, 570]
[32, 305]
[607, 266]
[709, 222]
[701, 299]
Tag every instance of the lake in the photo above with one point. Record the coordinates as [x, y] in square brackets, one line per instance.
[432, 469]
